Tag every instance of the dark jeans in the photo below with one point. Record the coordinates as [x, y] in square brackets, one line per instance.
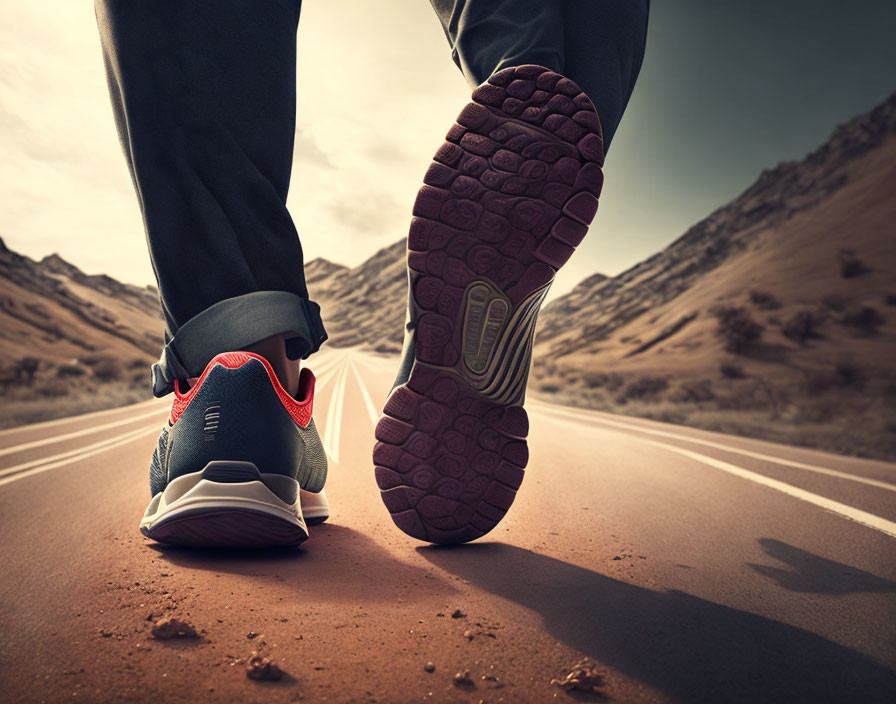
[203, 93]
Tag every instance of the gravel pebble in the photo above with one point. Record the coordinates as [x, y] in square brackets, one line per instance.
[169, 628]
[262, 668]
[584, 677]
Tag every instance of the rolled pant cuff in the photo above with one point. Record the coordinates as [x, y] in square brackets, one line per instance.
[234, 324]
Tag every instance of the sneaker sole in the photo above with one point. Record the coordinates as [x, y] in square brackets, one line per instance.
[506, 200]
[315, 507]
[230, 505]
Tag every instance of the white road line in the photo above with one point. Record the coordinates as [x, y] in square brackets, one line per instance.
[334, 414]
[327, 364]
[319, 384]
[586, 417]
[121, 440]
[333, 428]
[82, 416]
[853, 514]
[368, 402]
[377, 364]
[78, 433]
[328, 376]
[6, 471]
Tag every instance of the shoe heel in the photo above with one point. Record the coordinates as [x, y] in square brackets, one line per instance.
[227, 505]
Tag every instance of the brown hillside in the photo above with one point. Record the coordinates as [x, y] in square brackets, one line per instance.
[53, 311]
[366, 305]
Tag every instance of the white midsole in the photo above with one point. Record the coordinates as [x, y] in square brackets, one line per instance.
[314, 505]
[192, 492]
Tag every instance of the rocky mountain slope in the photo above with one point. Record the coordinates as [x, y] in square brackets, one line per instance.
[774, 316]
[789, 234]
[366, 305]
[71, 342]
[55, 312]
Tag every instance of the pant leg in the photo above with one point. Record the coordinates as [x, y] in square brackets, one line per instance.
[604, 49]
[488, 35]
[203, 93]
[599, 44]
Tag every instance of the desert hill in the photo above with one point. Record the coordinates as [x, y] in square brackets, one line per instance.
[773, 316]
[53, 311]
[71, 342]
[794, 233]
[366, 305]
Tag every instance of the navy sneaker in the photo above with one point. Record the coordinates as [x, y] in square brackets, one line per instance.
[239, 463]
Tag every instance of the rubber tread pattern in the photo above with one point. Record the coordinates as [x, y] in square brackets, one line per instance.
[506, 200]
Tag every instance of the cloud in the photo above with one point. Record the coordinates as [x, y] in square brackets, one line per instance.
[390, 152]
[308, 151]
[372, 213]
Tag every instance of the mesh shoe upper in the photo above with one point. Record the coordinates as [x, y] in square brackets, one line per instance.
[238, 411]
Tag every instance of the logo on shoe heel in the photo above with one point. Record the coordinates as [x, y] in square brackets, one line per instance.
[212, 419]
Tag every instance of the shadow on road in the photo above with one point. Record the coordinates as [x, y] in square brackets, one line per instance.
[810, 573]
[339, 564]
[692, 649]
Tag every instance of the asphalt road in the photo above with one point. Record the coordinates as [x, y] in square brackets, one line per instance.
[690, 566]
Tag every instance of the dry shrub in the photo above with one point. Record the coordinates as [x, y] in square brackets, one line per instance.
[70, 370]
[817, 382]
[549, 369]
[108, 369]
[737, 330]
[694, 391]
[863, 321]
[813, 413]
[732, 370]
[25, 368]
[801, 326]
[51, 389]
[92, 360]
[597, 380]
[643, 388]
[850, 265]
[845, 375]
[764, 300]
[755, 394]
[849, 375]
[835, 302]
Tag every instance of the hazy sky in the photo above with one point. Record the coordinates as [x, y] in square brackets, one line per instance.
[728, 88]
